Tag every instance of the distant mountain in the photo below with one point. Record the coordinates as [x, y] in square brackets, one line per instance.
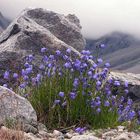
[1, 30]
[3, 22]
[122, 51]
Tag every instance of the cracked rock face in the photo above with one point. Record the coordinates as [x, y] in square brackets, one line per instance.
[66, 28]
[51, 27]
[37, 28]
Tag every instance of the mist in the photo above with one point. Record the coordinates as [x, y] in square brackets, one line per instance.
[97, 17]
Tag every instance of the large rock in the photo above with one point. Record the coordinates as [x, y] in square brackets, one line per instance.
[66, 28]
[17, 109]
[37, 28]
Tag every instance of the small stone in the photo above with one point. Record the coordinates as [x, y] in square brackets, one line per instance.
[68, 135]
[42, 127]
[75, 134]
[43, 133]
[122, 136]
[60, 138]
[30, 136]
[28, 128]
[109, 134]
[85, 137]
[57, 133]
[120, 128]
[50, 135]
[4, 128]
[38, 135]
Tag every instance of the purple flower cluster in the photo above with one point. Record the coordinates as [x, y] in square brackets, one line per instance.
[71, 80]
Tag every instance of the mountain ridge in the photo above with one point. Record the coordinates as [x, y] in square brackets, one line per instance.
[122, 51]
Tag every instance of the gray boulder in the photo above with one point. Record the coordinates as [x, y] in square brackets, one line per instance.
[15, 109]
[66, 28]
[37, 28]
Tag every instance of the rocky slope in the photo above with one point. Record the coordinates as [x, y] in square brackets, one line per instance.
[122, 51]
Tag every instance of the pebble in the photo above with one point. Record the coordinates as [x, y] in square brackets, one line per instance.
[120, 128]
[42, 127]
[29, 136]
[85, 137]
[43, 133]
[60, 137]
[122, 136]
[57, 133]
[68, 135]
[75, 134]
[109, 134]
[50, 135]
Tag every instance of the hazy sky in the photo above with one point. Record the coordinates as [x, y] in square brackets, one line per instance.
[97, 17]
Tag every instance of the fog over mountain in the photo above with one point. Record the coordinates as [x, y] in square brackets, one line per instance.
[122, 51]
[3, 22]
[98, 17]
